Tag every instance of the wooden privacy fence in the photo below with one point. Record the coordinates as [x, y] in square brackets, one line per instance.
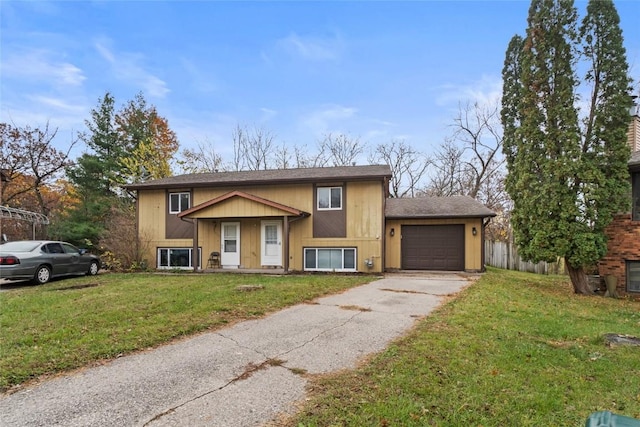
[505, 255]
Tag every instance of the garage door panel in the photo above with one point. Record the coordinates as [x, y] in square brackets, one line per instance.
[433, 247]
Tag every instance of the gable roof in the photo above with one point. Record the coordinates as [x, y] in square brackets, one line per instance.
[246, 196]
[437, 207]
[265, 177]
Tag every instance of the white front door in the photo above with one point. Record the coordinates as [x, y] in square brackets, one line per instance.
[271, 243]
[230, 245]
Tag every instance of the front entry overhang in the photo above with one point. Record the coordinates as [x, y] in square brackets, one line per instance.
[238, 204]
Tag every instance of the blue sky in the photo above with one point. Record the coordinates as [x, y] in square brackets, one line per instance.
[374, 70]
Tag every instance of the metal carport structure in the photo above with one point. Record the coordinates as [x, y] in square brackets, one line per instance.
[33, 217]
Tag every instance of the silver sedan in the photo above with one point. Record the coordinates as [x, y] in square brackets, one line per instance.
[42, 260]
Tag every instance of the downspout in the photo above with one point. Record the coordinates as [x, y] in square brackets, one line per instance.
[138, 254]
[285, 263]
[383, 243]
[288, 221]
[194, 252]
[482, 250]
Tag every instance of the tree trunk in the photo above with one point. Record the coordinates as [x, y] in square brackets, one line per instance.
[579, 280]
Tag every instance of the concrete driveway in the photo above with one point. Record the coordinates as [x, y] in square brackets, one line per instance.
[243, 375]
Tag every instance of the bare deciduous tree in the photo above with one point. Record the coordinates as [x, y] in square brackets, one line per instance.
[204, 158]
[477, 127]
[29, 154]
[447, 177]
[408, 166]
[470, 161]
[302, 157]
[122, 254]
[338, 150]
[252, 150]
[239, 138]
[259, 148]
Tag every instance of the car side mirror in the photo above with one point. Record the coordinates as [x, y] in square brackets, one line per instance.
[82, 251]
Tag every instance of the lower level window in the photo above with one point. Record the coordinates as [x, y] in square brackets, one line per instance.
[633, 276]
[330, 259]
[176, 257]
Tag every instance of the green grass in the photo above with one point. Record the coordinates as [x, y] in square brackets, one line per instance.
[515, 349]
[71, 323]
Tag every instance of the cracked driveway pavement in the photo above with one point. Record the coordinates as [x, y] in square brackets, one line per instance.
[243, 375]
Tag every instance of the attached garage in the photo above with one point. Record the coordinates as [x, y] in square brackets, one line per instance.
[432, 247]
[435, 233]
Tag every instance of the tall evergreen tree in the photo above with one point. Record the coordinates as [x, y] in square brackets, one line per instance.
[561, 175]
[605, 125]
[95, 178]
[124, 146]
[97, 171]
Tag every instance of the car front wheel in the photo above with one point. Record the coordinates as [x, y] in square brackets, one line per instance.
[93, 269]
[42, 276]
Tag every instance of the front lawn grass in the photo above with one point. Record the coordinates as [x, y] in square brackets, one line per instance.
[71, 323]
[514, 349]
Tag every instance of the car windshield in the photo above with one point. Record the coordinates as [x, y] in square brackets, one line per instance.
[22, 246]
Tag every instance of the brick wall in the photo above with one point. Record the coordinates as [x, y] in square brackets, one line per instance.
[623, 245]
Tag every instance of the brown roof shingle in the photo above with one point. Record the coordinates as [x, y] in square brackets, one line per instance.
[437, 207]
[265, 177]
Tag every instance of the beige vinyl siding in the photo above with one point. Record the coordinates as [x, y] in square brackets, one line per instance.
[633, 133]
[473, 244]
[365, 221]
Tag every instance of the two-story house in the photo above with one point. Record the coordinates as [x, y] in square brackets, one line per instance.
[623, 248]
[314, 219]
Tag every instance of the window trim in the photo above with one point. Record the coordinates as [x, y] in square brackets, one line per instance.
[342, 249]
[330, 208]
[628, 264]
[170, 267]
[180, 208]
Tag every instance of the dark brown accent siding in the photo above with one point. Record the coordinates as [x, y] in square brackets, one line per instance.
[330, 223]
[175, 228]
[433, 247]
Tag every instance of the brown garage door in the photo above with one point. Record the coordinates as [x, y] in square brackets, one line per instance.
[433, 247]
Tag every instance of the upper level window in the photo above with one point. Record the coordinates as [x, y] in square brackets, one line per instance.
[635, 196]
[179, 202]
[329, 198]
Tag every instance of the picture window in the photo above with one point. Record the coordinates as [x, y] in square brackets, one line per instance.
[330, 259]
[176, 258]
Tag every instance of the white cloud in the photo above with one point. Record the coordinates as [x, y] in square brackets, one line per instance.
[201, 80]
[267, 114]
[38, 65]
[325, 120]
[486, 91]
[58, 104]
[127, 67]
[313, 48]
